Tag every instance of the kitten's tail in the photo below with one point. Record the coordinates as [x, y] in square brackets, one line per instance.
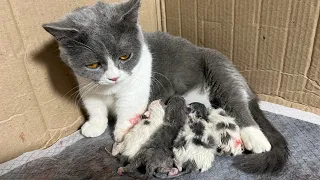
[272, 161]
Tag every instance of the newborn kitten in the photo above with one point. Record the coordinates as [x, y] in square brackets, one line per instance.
[141, 132]
[196, 144]
[228, 132]
[157, 153]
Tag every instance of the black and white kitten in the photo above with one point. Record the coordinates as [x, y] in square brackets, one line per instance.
[119, 68]
[204, 133]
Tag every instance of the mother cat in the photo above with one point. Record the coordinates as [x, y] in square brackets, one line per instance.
[120, 68]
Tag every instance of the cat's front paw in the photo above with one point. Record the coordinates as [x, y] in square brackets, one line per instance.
[254, 140]
[93, 128]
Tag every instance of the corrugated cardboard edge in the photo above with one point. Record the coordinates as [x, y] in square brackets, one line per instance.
[161, 15]
[281, 101]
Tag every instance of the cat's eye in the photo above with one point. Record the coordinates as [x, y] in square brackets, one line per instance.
[93, 66]
[125, 57]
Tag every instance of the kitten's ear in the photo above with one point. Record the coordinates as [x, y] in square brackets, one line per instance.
[131, 11]
[60, 31]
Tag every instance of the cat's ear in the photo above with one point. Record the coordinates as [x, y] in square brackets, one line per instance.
[130, 11]
[60, 30]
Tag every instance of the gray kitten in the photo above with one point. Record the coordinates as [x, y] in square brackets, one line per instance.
[119, 68]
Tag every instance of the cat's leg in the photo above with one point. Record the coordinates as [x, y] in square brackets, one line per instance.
[251, 134]
[229, 90]
[97, 111]
[237, 105]
[129, 109]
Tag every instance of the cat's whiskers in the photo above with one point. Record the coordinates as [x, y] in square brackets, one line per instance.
[86, 91]
[155, 83]
[159, 82]
[164, 77]
[152, 86]
[76, 93]
[80, 94]
[150, 83]
[77, 86]
[89, 89]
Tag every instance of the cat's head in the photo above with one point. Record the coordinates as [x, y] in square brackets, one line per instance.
[176, 110]
[198, 110]
[101, 43]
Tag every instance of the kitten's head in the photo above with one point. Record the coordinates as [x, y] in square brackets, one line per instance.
[176, 110]
[156, 109]
[198, 110]
[102, 42]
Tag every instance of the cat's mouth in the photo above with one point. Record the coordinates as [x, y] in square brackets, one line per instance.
[109, 81]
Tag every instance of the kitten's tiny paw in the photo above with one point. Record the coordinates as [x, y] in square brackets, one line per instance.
[173, 171]
[120, 171]
[119, 135]
[254, 139]
[93, 129]
[115, 149]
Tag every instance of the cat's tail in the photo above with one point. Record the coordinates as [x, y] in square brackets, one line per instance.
[272, 161]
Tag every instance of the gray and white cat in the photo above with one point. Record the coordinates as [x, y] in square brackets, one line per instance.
[119, 68]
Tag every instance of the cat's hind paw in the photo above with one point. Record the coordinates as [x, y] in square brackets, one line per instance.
[93, 129]
[254, 140]
[120, 171]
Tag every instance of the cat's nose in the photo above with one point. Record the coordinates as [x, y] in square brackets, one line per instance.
[113, 79]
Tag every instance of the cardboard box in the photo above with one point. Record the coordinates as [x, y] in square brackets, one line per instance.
[274, 44]
[37, 90]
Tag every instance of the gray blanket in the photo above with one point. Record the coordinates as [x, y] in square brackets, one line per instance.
[87, 159]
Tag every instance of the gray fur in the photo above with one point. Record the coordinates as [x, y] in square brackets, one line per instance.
[94, 34]
[91, 34]
[179, 143]
[197, 128]
[223, 125]
[210, 145]
[157, 153]
[199, 109]
[188, 67]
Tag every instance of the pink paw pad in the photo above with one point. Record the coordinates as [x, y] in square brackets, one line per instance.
[238, 142]
[173, 171]
[120, 171]
[135, 119]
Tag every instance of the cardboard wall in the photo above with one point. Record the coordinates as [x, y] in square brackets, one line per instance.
[274, 44]
[37, 91]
